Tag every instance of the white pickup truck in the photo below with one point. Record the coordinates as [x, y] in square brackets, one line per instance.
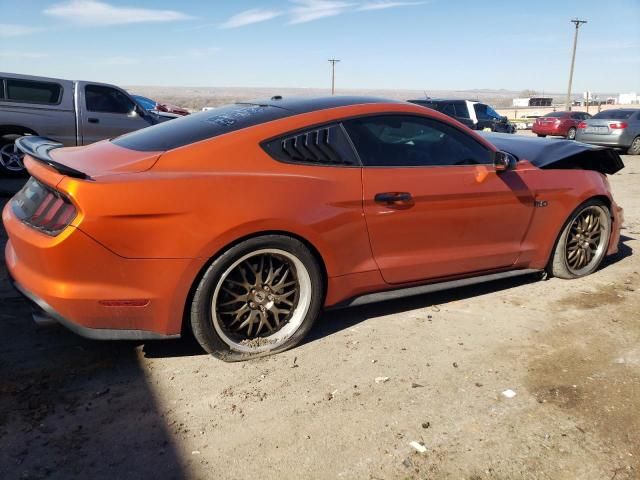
[71, 112]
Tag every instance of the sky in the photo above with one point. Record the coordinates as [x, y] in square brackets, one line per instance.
[382, 44]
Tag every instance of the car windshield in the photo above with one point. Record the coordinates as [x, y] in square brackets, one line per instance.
[145, 102]
[614, 114]
[486, 112]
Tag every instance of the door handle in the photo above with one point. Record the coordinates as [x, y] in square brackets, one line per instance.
[93, 120]
[397, 199]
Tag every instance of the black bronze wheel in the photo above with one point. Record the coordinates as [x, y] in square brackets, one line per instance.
[259, 297]
[583, 242]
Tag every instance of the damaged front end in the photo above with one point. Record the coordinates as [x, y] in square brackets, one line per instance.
[558, 154]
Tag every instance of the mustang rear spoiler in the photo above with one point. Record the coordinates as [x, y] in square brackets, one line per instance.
[39, 148]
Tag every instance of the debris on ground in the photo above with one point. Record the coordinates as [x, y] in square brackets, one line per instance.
[382, 379]
[419, 447]
[509, 393]
[330, 396]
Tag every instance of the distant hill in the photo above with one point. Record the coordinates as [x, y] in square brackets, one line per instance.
[197, 97]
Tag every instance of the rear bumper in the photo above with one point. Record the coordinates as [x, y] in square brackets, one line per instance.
[49, 313]
[619, 141]
[544, 130]
[85, 287]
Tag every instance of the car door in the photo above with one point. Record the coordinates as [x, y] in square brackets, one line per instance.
[433, 202]
[462, 113]
[107, 112]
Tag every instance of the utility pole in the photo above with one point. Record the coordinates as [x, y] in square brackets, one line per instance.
[333, 75]
[577, 23]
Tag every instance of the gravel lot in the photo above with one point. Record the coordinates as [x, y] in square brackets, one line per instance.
[72, 408]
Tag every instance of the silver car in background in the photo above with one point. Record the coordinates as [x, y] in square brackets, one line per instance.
[613, 128]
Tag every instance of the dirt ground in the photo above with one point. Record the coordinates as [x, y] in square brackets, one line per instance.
[570, 350]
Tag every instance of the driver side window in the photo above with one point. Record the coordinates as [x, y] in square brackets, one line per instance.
[411, 141]
[107, 100]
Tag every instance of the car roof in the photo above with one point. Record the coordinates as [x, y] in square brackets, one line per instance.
[298, 105]
[624, 110]
[436, 100]
[226, 119]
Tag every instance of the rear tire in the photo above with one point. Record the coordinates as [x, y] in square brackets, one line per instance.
[634, 148]
[11, 158]
[571, 134]
[272, 283]
[583, 241]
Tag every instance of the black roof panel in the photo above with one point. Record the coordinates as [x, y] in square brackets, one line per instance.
[298, 105]
[204, 125]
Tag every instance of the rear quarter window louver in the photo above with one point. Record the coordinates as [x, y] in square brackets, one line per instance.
[321, 146]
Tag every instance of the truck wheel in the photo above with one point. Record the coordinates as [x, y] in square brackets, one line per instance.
[634, 149]
[259, 297]
[583, 241]
[10, 157]
[571, 134]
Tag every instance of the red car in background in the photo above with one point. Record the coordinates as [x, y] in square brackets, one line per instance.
[152, 105]
[559, 124]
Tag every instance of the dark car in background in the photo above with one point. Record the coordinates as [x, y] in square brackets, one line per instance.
[559, 124]
[619, 128]
[151, 106]
[473, 114]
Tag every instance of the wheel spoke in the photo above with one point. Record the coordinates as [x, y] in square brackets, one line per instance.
[246, 286]
[264, 322]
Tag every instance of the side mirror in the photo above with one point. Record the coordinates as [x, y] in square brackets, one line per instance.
[503, 161]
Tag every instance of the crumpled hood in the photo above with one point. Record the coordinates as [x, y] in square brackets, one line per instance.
[553, 153]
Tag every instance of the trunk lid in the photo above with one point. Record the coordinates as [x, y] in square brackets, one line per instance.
[88, 162]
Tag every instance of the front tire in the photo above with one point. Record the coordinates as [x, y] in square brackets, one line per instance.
[634, 149]
[583, 242]
[541, 135]
[258, 298]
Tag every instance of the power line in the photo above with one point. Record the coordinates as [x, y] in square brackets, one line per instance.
[577, 23]
[333, 74]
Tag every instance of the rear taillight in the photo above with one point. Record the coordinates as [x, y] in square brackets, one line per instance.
[582, 125]
[618, 125]
[43, 208]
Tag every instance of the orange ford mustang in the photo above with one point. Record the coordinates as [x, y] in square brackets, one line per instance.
[242, 223]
